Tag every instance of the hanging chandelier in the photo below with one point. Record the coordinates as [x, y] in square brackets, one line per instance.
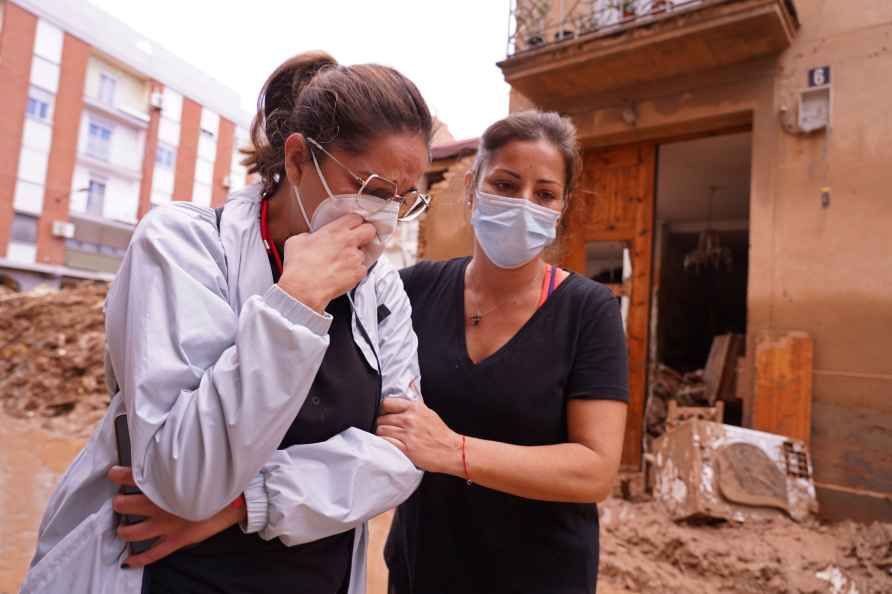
[709, 253]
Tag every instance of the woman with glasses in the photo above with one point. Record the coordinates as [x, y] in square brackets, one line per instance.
[250, 349]
[524, 373]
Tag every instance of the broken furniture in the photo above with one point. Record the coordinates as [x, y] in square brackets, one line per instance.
[679, 414]
[706, 470]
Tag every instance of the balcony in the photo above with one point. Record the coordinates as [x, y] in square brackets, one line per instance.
[564, 51]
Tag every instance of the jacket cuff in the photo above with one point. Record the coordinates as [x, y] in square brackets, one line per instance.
[257, 506]
[296, 312]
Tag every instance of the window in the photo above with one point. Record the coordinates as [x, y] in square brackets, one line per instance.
[40, 105]
[99, 141]
[44, 74]
[24, 228]
[107, 88]
[90, 247]
[95, 198]
[48, 41]
[207, 146]
[164, 157]
[38, 109]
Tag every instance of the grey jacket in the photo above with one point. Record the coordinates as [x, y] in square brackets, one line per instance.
[212, 361]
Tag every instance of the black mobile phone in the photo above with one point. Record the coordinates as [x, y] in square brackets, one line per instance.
[122, 437]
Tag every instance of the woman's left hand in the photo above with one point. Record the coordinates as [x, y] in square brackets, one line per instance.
[421, 435]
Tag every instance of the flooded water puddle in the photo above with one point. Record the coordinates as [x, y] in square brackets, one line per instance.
[32, 460]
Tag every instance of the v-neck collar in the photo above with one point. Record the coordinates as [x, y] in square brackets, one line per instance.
[463, 333]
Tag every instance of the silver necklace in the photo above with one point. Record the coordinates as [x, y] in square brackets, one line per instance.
[477, 317]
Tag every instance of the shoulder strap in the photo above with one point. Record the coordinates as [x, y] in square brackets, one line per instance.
[549, 283]
[552, 282]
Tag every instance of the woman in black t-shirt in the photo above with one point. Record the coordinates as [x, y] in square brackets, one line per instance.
[524, 371]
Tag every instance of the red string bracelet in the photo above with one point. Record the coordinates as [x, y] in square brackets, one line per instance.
[464, 458]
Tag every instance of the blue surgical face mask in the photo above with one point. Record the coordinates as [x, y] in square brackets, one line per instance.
[512, 231]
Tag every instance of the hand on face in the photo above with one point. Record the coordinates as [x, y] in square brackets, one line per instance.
[323, 265]
[172, 533]
[420, 434]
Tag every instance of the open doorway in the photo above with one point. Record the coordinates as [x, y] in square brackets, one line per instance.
[700, 275]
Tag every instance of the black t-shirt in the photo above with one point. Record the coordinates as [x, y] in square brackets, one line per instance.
[454, 537]
[344, 394]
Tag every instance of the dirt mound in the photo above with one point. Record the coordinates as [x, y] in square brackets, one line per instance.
[644, 552]
[51, 356]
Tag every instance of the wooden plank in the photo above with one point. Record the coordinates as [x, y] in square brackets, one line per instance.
[782, 401]
[639, 309]
[721, 367]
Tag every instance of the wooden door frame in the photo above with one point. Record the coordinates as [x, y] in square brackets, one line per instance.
[638, 235]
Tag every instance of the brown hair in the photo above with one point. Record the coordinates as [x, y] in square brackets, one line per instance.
[338, 106]
[532, 125]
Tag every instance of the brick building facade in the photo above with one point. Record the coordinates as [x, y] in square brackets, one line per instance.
[97, 126]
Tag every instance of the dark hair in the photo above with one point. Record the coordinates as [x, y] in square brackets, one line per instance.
[341, 106]
[532, 125]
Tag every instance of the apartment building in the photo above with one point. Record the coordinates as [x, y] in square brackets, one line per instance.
[97, 126]
[735, 181]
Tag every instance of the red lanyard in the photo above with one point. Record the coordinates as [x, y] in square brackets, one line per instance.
[264, 234]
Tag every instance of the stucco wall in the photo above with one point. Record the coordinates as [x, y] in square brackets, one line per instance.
[826, 271]
[444, 232]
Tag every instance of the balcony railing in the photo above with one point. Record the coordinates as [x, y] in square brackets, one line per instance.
[562, 53]
[538, 23]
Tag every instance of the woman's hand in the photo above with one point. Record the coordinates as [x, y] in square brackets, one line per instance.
[172, 532]
[326, 264]
[422, 435]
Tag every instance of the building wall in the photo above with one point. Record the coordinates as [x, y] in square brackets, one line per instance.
[822, 270]
[223, 162]
[60, 167]
[187, 150]
[150, 155]
[131, 92]
[237, 172]
[827, 270]
[16, 55]
[83, 142]
[169, 140]
[444, 230]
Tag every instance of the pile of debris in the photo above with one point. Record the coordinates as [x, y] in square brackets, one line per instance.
[670, 386]
[645, 552]
[696, 394]
[52, 345]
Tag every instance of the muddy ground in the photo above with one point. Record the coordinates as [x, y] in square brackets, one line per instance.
[52, 391]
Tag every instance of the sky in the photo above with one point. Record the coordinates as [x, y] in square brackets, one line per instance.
[449, 48]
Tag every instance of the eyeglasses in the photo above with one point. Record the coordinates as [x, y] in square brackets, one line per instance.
[376, 192]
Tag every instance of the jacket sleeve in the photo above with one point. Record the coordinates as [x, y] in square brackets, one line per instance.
[308, 492]
[209, 393]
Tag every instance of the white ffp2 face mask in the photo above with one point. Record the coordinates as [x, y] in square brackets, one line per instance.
[336, 206]
[512, 231]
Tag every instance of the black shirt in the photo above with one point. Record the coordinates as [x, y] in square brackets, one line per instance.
[454, 537]
[344, 394]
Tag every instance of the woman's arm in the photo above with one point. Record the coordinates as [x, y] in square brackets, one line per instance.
[310, 491]
[307, 492]
[209, 393]
[581, 470]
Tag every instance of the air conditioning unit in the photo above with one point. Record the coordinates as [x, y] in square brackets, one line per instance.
[63, 229]
[156, 100]
[227, 181]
